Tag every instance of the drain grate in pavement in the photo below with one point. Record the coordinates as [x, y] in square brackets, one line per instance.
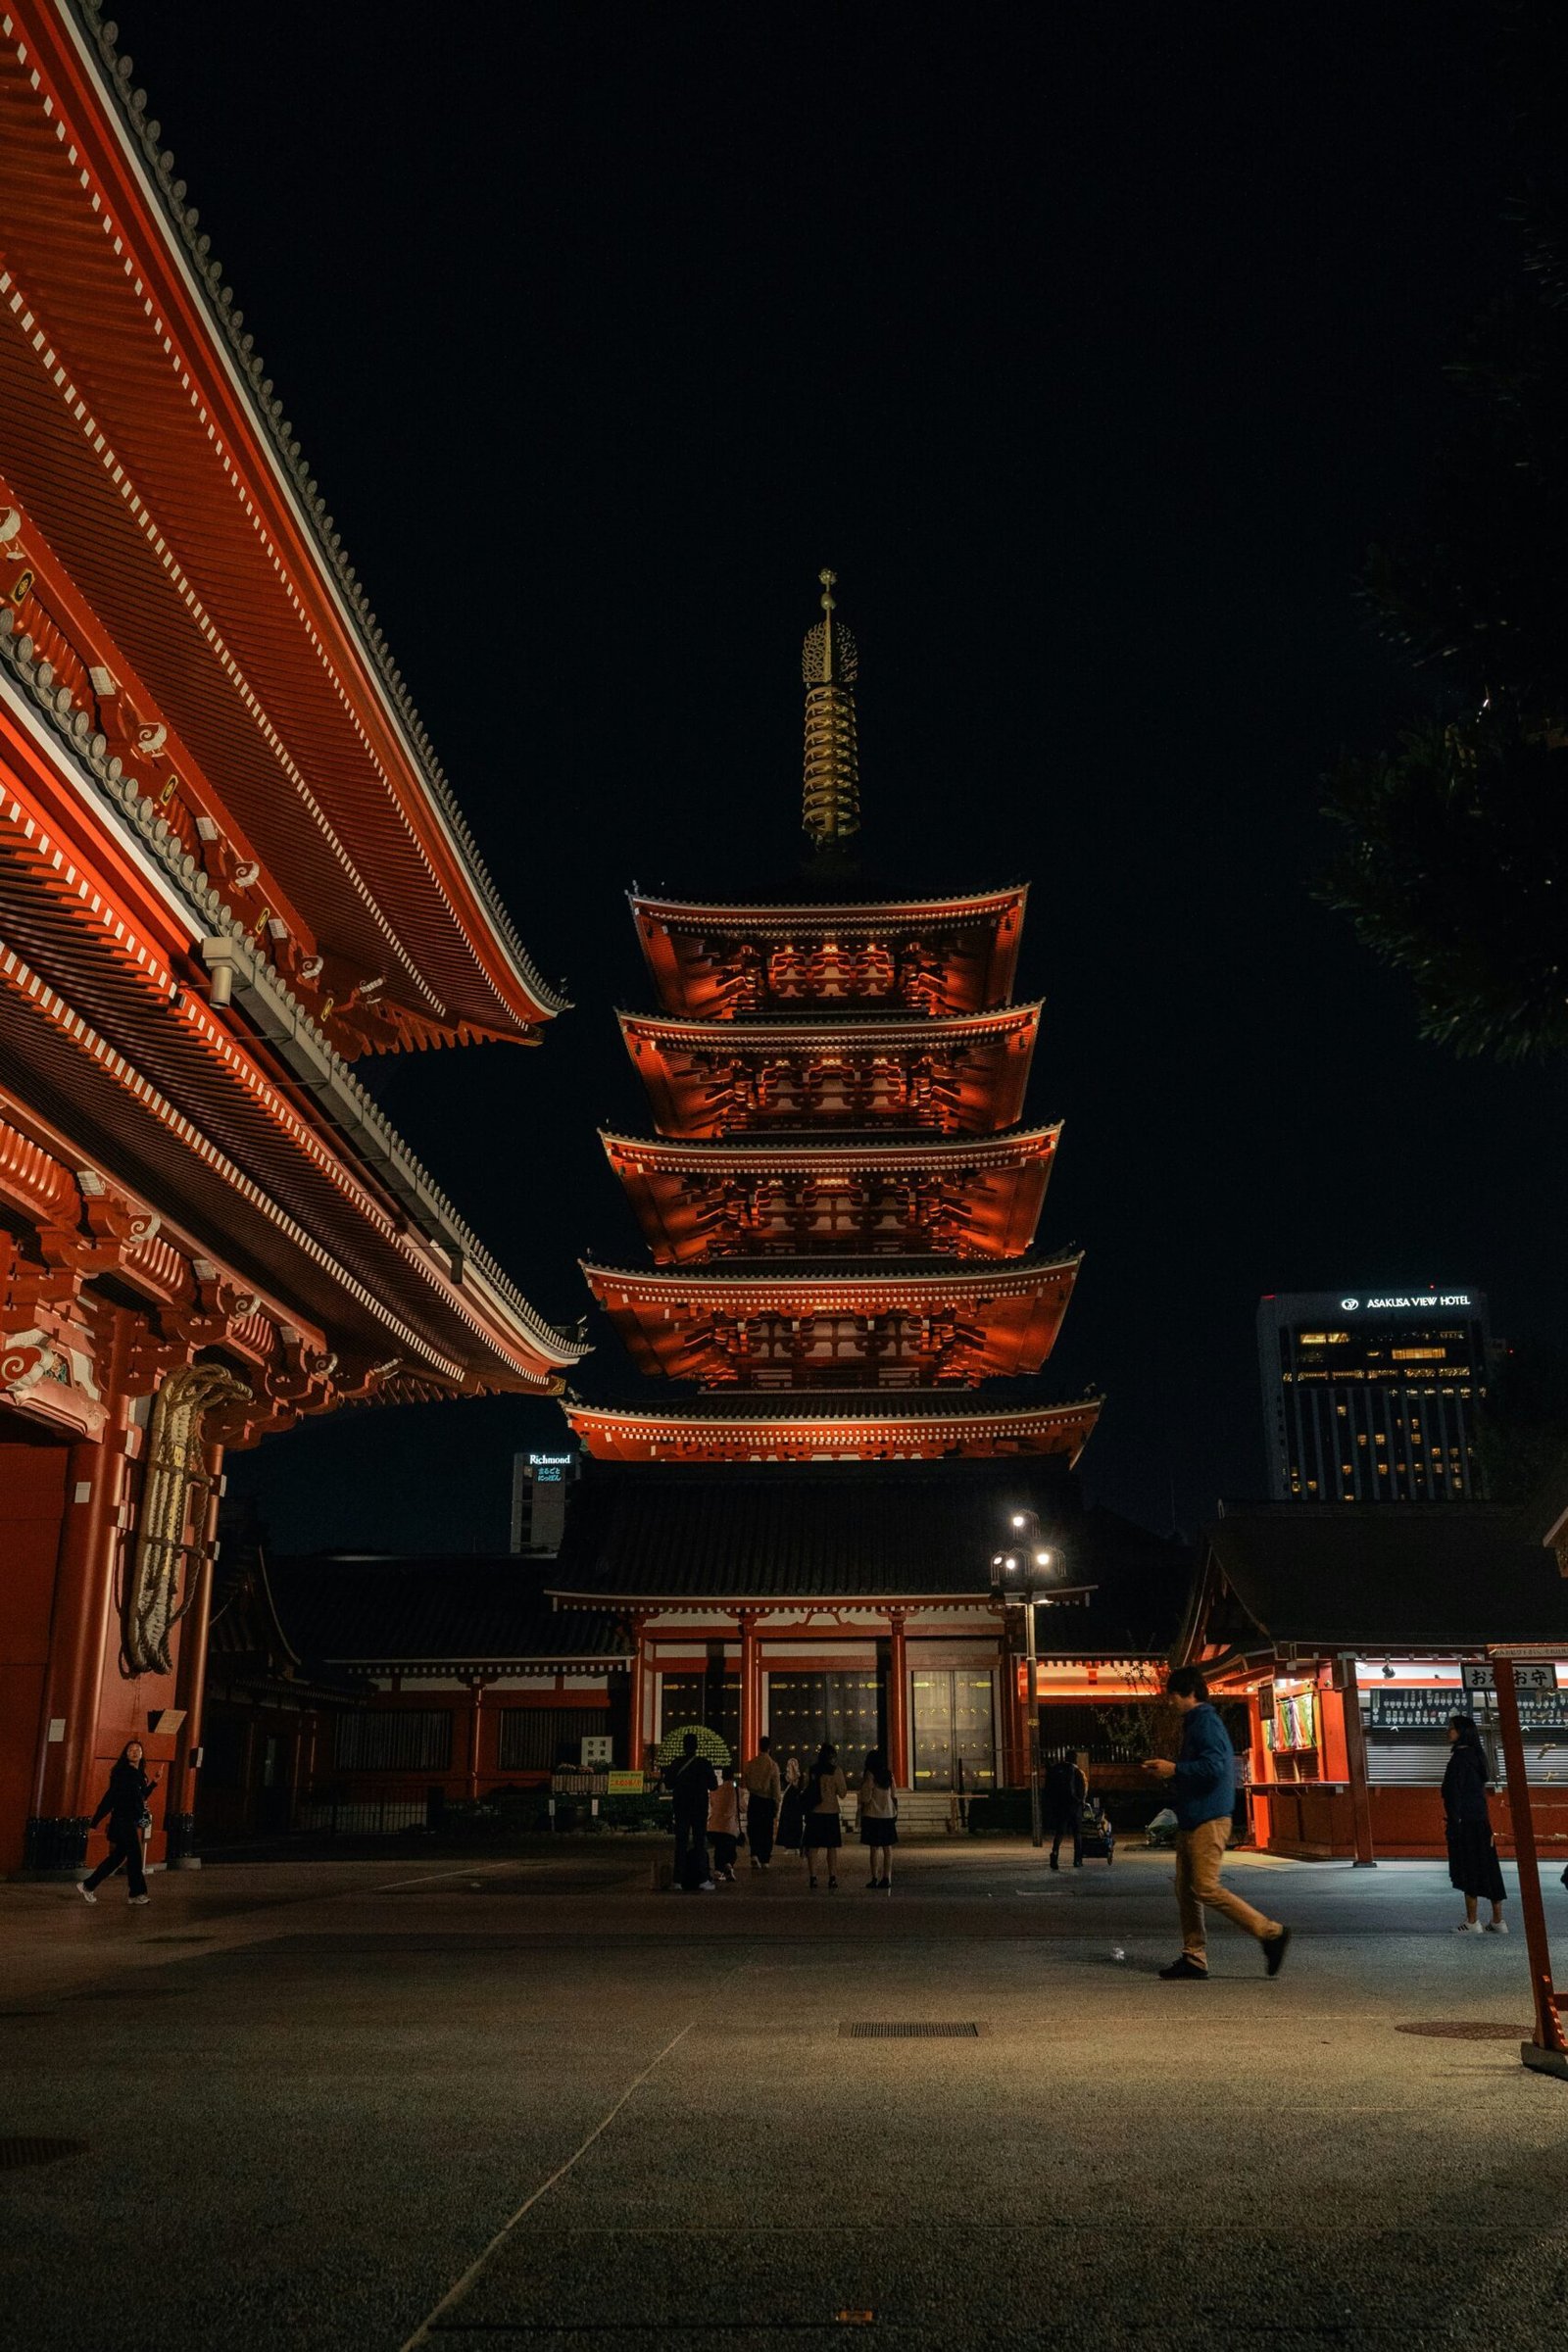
[14, 2153]
[1447, 2029]
[130, 1992]
[910, 2030]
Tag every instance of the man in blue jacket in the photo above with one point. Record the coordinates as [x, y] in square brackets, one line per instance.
[1203, 1795]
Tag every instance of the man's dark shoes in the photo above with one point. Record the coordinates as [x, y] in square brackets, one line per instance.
[1184, 1967]
[1274, 1950]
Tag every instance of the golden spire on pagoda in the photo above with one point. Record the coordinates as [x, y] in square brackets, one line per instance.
[828, 665]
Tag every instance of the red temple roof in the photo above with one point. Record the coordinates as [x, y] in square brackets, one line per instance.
[257, 1144]
[916, 1324]
[849, 1427]
[748, 1194]
[712, 961]
[959, 1073]
[188, 585]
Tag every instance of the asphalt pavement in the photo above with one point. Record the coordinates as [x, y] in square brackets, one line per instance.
[532, 2102]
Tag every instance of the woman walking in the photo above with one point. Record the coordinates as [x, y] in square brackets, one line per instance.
[879, 1817]
[126, 1804]
[724, 1824]
[791, 1808]
[1473, 1865]
[825, 1789]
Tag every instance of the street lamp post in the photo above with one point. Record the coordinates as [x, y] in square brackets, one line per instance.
[1036, 1827]
[1018, 1576]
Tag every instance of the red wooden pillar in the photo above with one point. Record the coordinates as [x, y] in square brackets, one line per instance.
[899, 1703]
[1550, 2049]
[1345, 1682]
[475, 1717]
[639, 1695]
[750, 1687]
[1258, 1797]
[67, 1770]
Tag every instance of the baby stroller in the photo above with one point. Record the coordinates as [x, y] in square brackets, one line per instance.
[1096, 1837]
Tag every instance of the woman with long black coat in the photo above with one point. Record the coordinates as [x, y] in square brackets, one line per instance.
[1473, 1865]
[124, 1803]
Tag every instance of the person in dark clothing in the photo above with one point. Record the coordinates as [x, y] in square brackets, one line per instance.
[1066, 1787]
[763, 1792]
[124, 1803]
[1473, 1865]
[791, 1831]
[1204, 1797]
[692, 1782]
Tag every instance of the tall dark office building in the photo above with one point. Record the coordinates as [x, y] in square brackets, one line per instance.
[540, 1483]
[1371, 1396]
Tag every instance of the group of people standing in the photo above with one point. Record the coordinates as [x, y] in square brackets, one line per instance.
[798, 1811]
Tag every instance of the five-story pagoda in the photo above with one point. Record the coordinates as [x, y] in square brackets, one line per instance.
[839, 1197]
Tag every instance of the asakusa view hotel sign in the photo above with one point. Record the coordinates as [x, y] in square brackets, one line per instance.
[1394, 1300]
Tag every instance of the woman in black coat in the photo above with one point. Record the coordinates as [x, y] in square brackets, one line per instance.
[1473, 1865]
[124, 1804]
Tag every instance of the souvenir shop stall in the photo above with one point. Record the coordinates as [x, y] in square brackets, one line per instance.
[1353, 1632]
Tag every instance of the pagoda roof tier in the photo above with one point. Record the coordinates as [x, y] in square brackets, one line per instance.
[963, 1073]
[769, 1193]
[919, 1425]
[822, 1324]
[173, 560]
[714, 961]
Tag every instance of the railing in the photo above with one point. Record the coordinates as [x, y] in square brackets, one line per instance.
[363, 1815]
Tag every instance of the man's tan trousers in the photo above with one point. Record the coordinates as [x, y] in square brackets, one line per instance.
[1199, 1853]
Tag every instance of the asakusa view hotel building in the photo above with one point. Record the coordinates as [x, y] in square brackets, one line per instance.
[1372, 1395]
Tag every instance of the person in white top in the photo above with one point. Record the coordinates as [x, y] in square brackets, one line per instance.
[825, 1790]
[879, 1817]
[724, 1824]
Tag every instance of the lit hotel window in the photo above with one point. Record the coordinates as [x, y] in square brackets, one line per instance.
[1419, 1355]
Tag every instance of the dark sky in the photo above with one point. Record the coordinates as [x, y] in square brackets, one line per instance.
[1091, 347]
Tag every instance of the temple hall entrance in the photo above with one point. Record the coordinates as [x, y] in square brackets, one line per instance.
[804, 1709]
[712, 1698]
[954, 1730]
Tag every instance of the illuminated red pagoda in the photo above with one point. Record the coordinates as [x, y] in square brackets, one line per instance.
[840, 1199]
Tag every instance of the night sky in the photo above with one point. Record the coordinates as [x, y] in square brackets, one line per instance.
[1091, 347]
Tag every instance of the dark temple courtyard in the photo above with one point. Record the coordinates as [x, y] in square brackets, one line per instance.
[392, 2102]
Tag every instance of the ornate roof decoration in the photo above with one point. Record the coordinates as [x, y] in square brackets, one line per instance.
[809, 1148]
[829, 665]
[766, 915]
[352, 1110]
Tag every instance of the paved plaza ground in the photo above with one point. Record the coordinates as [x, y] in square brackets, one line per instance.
[531, 2102]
